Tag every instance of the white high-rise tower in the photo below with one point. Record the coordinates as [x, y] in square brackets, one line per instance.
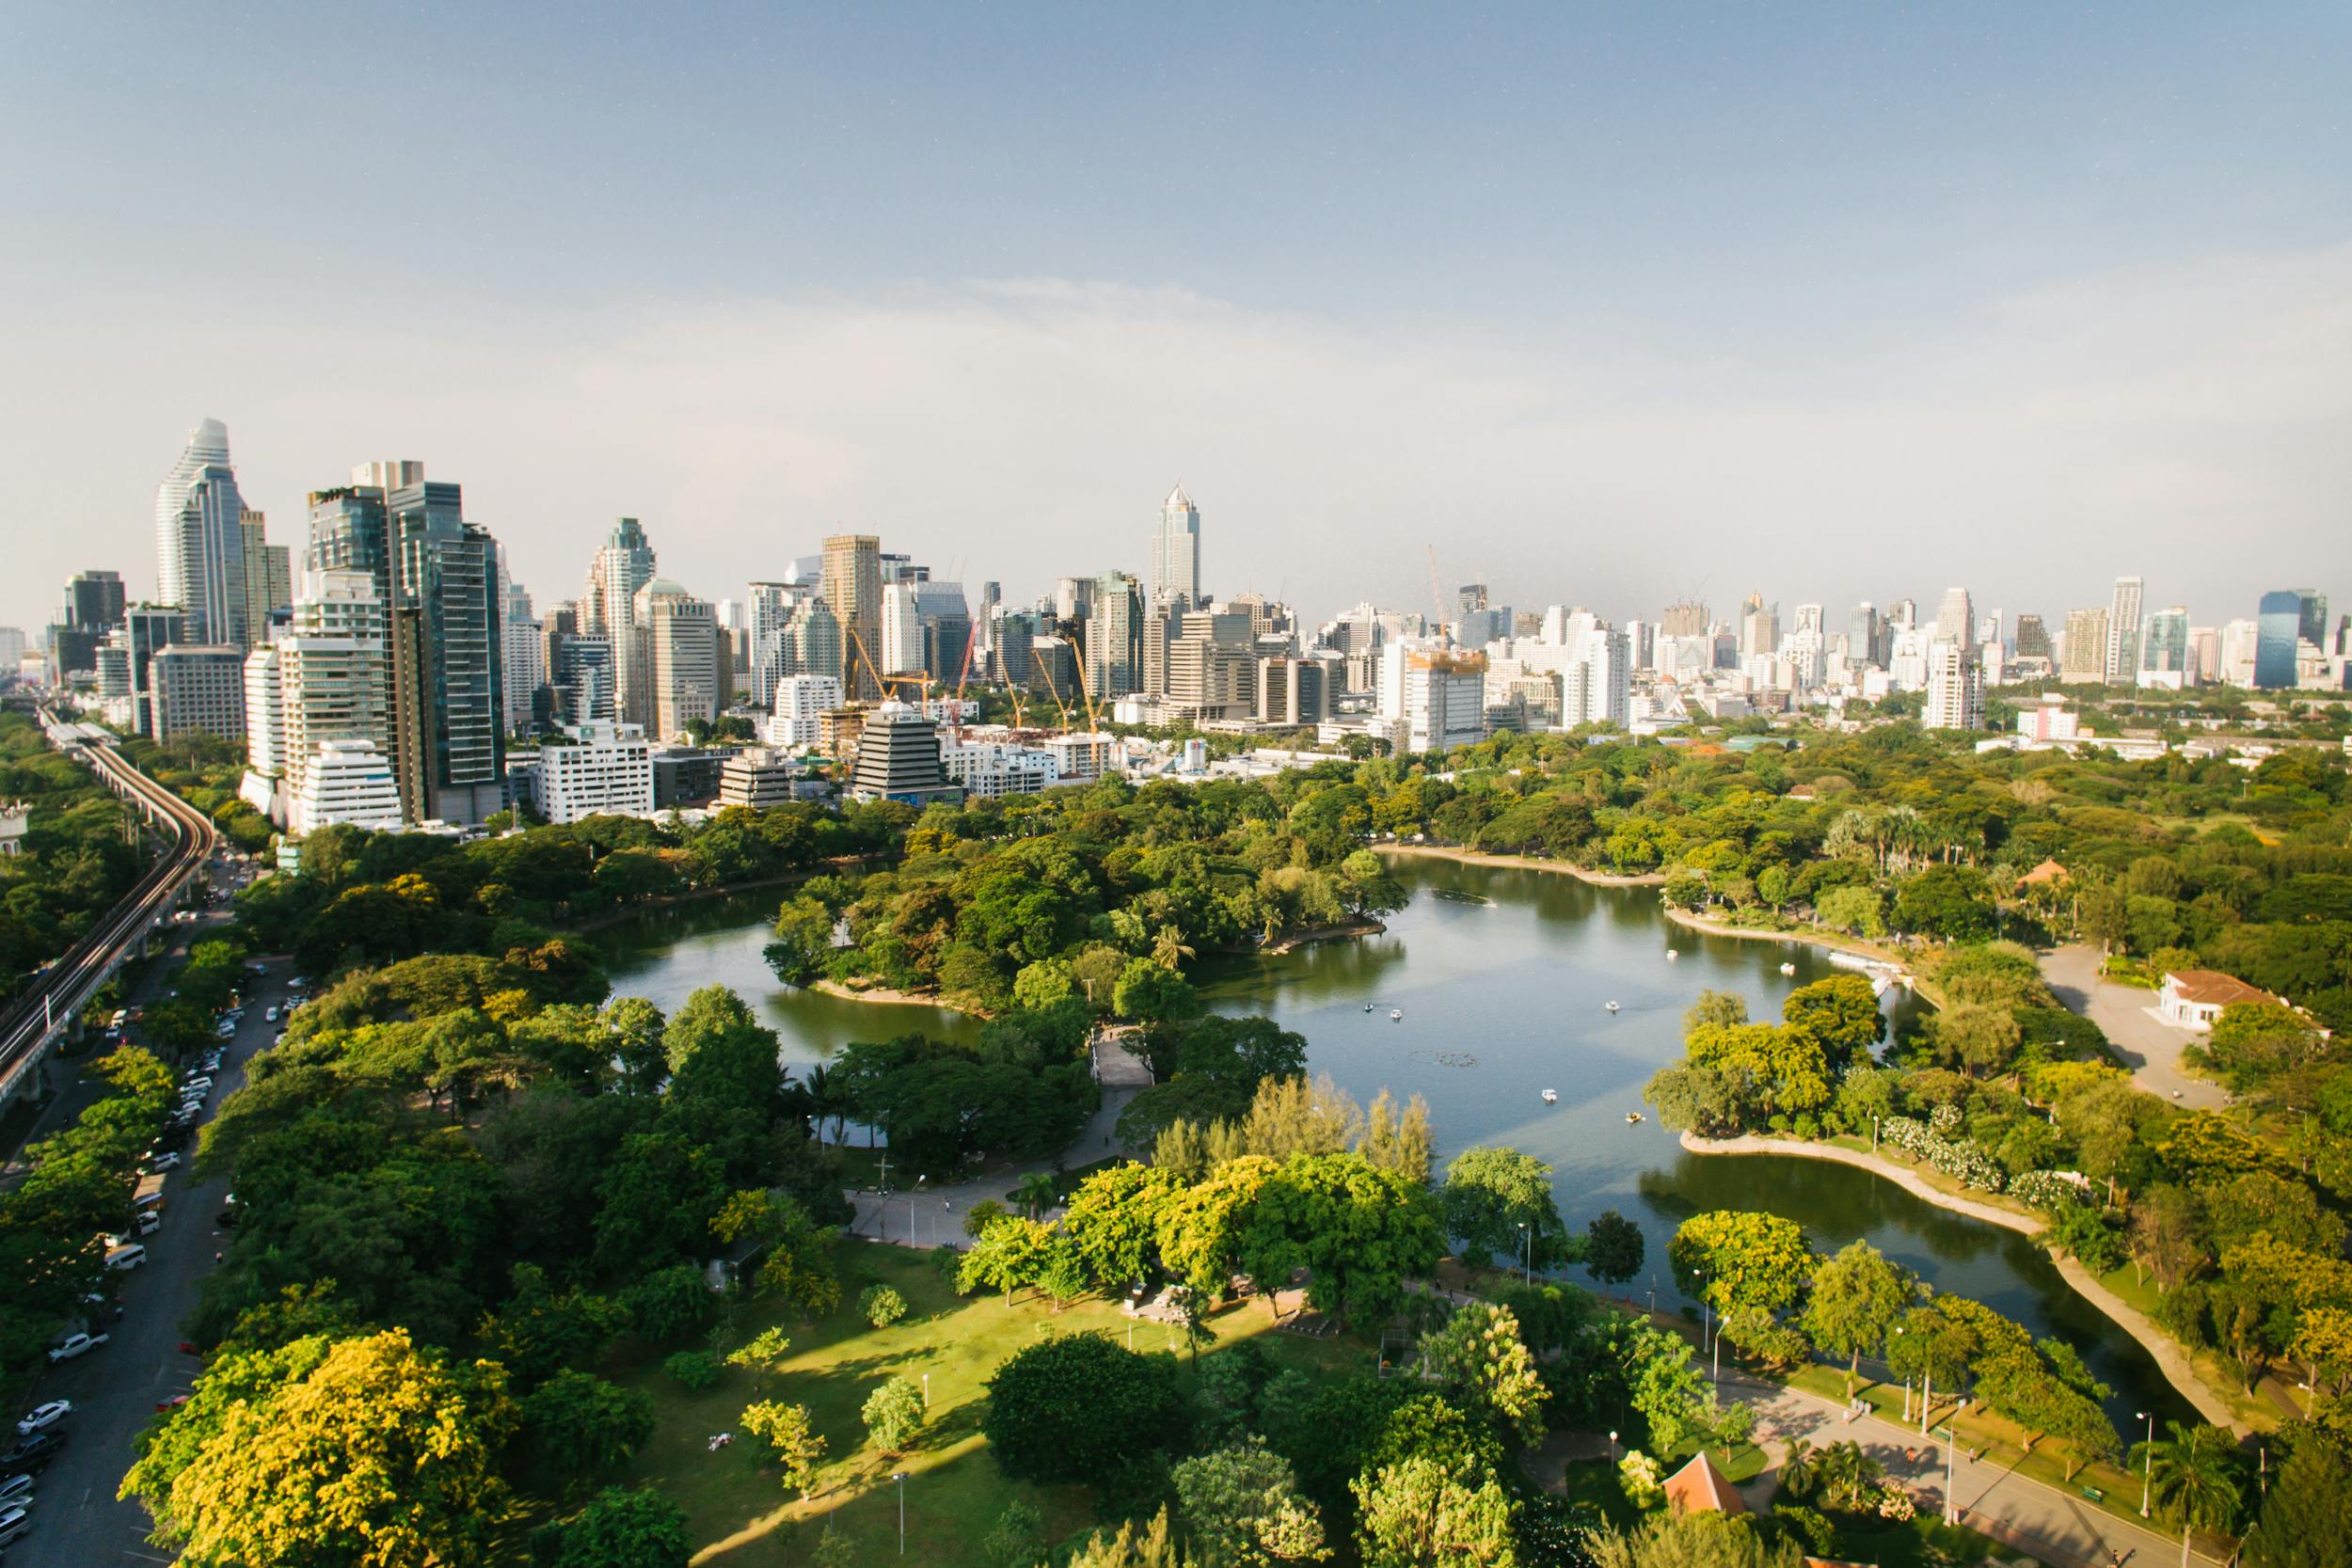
[1176, 554]
[2122, 666]
[200, 540]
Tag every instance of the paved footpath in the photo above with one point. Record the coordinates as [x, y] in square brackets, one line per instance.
[2125, 1015]
[2058, 1527]
[928, 1216]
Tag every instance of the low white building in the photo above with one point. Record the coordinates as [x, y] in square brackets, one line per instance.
[14, 815]
[1080, 758]
[348, 781]
[2193, 998]
[757, 776]
[598, 770]
[990, 772]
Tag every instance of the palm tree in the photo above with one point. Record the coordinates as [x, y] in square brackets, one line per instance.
[1034, 1193]
[825, 1099]
[1800, 1471]
[1167, 948]
[1846, 1476]
[2193, 1475]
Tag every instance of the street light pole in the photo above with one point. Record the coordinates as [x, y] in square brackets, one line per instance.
[2147, 1459]
[1527, 1245]
[901, 1478]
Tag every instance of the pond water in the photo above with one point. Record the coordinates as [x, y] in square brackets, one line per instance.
[1503, 975]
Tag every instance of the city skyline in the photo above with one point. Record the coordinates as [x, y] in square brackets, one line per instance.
[1590, 301]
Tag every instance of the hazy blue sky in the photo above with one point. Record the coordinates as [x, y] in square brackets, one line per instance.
[1608, 303]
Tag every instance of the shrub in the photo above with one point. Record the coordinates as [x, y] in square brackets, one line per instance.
[880, 1305]
[696, 1370]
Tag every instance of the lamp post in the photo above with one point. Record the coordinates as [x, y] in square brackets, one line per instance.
[1612, 1446]
[1874, 1133]
[927, 1390]
[1653, 1296]
[1951, 1465]
[2147, 1459]
[901, 1477]
[1706, 1309]
[1527, 1249]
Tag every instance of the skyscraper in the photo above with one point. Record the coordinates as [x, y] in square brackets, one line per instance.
[900, 648]
[200, 540]
[681, 648]
[2122, 651]
[268, 576]
[624, 564]
[93, 600]
[852, 586]
[1114, 649]
[2164, 659]
[1176, 553]
[1955, 687]
[1956, 618]
[2278, 624]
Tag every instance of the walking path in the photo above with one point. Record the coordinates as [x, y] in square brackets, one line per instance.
[2057, 1526]
[2171, 1358]
[930, 1216]
[2123, 1013]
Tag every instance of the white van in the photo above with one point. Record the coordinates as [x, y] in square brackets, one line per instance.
[126, 1258]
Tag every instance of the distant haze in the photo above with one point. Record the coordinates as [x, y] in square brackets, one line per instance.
[1609, 308]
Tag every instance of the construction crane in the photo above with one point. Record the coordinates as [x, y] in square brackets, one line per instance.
[1080, 665]
[888, 685]
[1055, 692]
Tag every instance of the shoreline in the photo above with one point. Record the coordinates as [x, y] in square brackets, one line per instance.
[605, 918]
[1808, 936]
[890, 998]
[1522, 863]
[1285, 941]
[2170, 1357]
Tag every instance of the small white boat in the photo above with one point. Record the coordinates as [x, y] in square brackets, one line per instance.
[1396, 1015]
[1551, 1096]
[1612, 1007]
[1367, 1006]
[1788, 969]
[1671, 954]
[1633, 1116]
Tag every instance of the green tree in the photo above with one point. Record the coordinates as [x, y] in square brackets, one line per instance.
[1242, 1508]
[893, 1414]
[1151, 1545]
[1692, 1539]
[1017, 1540]
[585, 1426]
[1034, 1193]
[1740, 1258]
[1113, 1220]
[2195, 1474]
[2304, 1509]
[381, 1444]
[1841, 1014]
[626, 1528]
[1478, 1356]
[791, 1438]
[1415, 1514]
[1054, 1406]
[1614, 1247]
[1857, 1298]
[880, 1305]
[1499, 1203]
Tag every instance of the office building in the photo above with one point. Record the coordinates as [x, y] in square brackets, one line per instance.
[1008, 639]
[757, 776]
[898, 759]
[2048, 721]
[1175, 573]
[585, 690]
[679, 634]
[2311, 617]
[853, 587]
[93, 600]
[1683, 618]
[264, 731]
[594, 770]
[1114, 638]
[766, 614]
[196, 688]
[2033, 638]
[1437, 697]
[200, 540]
[1955, 686]
[992, 771]
[1295, 690]
[1079, 758]
[523, 658]
[333, 668]
[11, 649]
[1596, 683]
[436, 577]
[2122, 660]
[2278, 631]
[1759, 626]
[2164, 651]
[900, 649]
[687, 775]
[801, 703]
[1956, 619]
[2238, 643]
[348, 781]
[813, 642]
[268, 576]
[2085, 655]
[944, 620]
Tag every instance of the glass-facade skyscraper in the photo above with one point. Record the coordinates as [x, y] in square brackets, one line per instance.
[200, 540]
[2278, 627]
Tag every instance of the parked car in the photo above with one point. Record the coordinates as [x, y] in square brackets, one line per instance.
[42, 1416]
[126, 1258]
[76, 1345]
[15, 1523]
[16, 1492]
[164, 1160]
[34, 1452]
[172, 1404]
[269, 1014]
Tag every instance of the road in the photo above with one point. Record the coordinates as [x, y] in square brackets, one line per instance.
[67, 984]
[2123, 1014]
[2055, 1525]
[77, 1523]
[930, 1216]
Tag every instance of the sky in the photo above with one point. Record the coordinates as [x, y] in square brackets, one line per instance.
[1602, 305]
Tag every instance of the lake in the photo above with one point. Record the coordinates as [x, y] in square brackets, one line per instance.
[1504, 977]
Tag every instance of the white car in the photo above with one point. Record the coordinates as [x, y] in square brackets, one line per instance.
[42, 1416]
[269, 1014]
[15, 1523]
[76, 1345]
[155, 1163]
[16, 1492]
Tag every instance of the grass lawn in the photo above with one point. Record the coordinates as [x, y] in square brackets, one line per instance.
[737, 1509]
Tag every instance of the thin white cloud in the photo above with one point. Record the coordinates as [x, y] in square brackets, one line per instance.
[2188, 423]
